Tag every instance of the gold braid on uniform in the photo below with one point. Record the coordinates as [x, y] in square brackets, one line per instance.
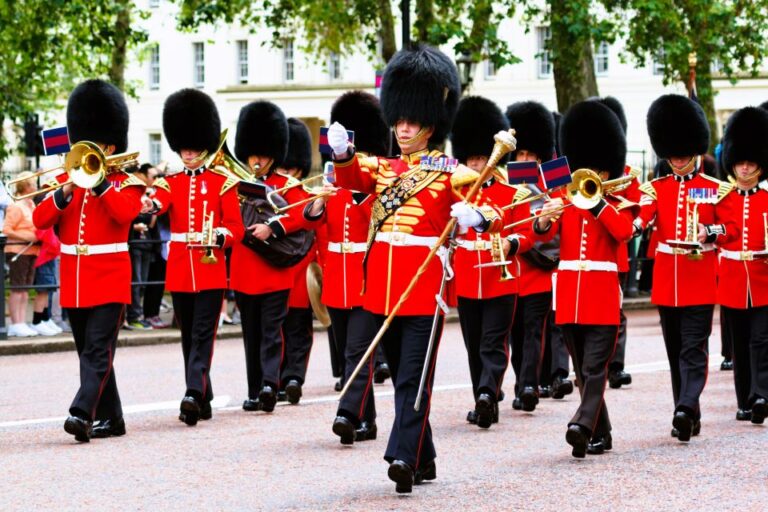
[491, 218]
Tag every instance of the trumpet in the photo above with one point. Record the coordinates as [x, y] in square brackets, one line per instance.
[86, 166]
[498, 259]
[208, 240]
[314, 194]
[584, 192]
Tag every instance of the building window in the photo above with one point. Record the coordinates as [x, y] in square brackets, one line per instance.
[242, 62]
[659, 59]
[717, 67]
[334, 66]
[490, 69]
[154, 67]
[288, 64]
[199, 71]
[602, 53]
[155, 148]
[154, 4]
[544, 65]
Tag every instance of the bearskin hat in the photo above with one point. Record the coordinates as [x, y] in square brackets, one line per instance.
[96, 111]
[299, 154]
[191, 121]
[746, 138]
[477, 120]
[764, 105]
[534, 128]
[591, 136]
[677, 127]
[361, 112]
[616, 106]
[422, 86]
[262, 130]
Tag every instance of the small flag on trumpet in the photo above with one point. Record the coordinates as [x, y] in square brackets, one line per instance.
[56, 140]
[521, 173]
[325, 148]
[556, 172]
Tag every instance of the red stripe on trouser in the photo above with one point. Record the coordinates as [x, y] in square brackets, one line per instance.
[367, 386]
[213, 345]
[109, 367]
[429, 403]
[607, 363]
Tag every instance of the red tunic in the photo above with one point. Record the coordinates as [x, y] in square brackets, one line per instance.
[249, 272]
[587, 287]
[346, 223]
[406, 235]
[742, 282]
[89, 280]
[631, 193]
[677, 280]
[299, 295]
[534, 279]
[485, 283]
[184, 196]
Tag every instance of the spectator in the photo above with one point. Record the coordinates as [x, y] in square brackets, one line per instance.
[20, 254]
[142, 253]
[46, 276]
[4, 201]
[153, 293]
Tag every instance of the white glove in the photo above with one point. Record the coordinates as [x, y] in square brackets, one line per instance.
[465, 215]
[337, 139]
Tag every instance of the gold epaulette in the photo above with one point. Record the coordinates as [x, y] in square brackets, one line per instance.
[230, 183]
[371, 163]
[723, 188]
[648, 189]
[163, 184]
[463, 176]
[131, 181]
[624, 203]
[635, 172]
[521, 193]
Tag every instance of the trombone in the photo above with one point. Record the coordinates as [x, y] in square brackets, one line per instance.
[86, 166]
[314, 194]
[584, 192]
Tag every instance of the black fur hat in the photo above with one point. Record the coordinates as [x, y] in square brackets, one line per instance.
[361, 112]
[96, 111]
[299, 147]
[591, 136]
[677, 127]
[764, 105]
[746, 138]
[422, 86]
[477, 120]
[534, 127]
[616, 106]
[262, 130]
[191, 121]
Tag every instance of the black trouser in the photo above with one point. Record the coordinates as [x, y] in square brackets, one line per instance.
[95, 330]
[405, 347]
[617, 363]
[262, 319]
[359, 328]
[726, 342]
[340, 330]
[686, 333]
[529, 332]
[485, 325]
[140, 261]
[297, 331]
[153, 293]
[591, 347]
[198, 317]
[748, 328]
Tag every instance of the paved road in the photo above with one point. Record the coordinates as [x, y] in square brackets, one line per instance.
[290, 460]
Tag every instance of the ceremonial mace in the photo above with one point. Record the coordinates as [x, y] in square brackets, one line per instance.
[505, 142]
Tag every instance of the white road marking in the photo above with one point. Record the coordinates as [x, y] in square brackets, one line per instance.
[221, 403]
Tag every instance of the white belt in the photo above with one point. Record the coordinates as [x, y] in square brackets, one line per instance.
[347, 247]
[666, 249]
[475, 245]
[740, 255]
[90, 250]
[404, 239]
[187, 237]
[604, 266]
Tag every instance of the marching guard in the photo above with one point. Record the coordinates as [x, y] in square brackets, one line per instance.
[93, 226]
[205, 219]
[487, 287]
[684, 279]
[742, 289]
[419, 95]
[586, 290]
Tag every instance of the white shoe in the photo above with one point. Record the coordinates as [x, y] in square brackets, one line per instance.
[21, 331]
[50, 323]
[43, 329]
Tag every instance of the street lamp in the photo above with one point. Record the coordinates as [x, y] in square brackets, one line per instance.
[466, 65]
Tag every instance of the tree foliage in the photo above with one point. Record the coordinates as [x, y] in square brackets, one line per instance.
[50, 45]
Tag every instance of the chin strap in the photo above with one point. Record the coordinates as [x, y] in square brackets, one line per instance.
[413, 140]
[687, 168]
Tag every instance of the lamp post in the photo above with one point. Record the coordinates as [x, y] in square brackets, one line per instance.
[466, 66]
[405, 12]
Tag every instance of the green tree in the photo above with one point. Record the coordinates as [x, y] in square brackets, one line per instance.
[729, 38]
[50, 45]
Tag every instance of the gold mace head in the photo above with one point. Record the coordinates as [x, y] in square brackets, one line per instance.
[505, 143]
[692, 59]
